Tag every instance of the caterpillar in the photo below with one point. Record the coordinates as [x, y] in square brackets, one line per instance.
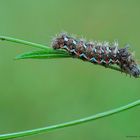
[102, 53]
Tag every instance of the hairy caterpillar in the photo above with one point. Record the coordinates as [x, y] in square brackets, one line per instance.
[103, 53]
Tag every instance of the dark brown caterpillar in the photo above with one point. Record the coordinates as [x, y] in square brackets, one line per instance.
[102, 53]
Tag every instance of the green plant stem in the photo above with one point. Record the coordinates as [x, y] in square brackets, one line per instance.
[5, 38]
[48, 49]
[67, 124]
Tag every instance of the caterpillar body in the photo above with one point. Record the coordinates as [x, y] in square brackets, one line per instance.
[103, 53]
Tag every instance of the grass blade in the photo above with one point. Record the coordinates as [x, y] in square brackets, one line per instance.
[19, 41]
[70, 123]
[43, 54]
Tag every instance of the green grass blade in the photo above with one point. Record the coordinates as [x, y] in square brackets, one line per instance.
[19, 41]
[43, 54]
[50, 54]
[70, 123]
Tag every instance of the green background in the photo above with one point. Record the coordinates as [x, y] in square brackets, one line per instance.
[37, 93]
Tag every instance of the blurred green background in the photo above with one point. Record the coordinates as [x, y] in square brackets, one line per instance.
[38, 93]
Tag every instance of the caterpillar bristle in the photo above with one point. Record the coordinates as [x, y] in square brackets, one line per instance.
[97, 52]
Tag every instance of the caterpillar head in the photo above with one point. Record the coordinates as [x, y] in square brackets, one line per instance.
[59, 41]
[127, 63]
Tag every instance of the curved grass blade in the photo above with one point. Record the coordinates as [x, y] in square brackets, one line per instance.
[70, 123]
[43, 54]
